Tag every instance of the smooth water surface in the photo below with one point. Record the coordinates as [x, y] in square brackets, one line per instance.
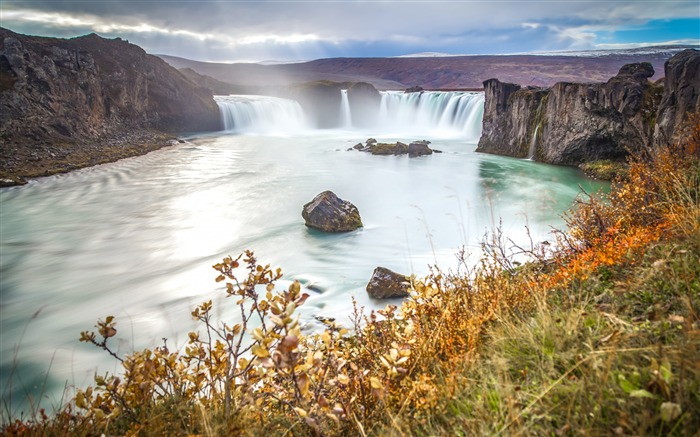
[136, 239]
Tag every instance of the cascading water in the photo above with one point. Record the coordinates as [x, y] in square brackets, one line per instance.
[433, 113]
[345, 115]
[436, 112]
[260, 114]
[533, 145]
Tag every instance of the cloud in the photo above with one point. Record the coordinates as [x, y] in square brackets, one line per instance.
[229, 30]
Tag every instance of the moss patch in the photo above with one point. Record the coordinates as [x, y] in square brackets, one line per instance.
[604, 169]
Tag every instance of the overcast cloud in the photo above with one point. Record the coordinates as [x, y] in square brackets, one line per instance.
[295, 30]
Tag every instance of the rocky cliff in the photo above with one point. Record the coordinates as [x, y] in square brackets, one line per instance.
[65, 102]
[572, 123]
[681, 95]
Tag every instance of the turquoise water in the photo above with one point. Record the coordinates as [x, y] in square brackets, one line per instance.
[136, 239]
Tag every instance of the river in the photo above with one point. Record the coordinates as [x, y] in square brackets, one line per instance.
[136, 239]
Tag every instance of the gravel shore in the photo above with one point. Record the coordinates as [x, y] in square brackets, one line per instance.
[20, 163]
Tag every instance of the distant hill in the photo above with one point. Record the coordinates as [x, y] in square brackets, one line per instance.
[439, 72]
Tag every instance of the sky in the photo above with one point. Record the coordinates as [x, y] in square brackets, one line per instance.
[293, 30]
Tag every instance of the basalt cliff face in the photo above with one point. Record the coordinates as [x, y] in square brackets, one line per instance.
[316, 97]
[65, 101]
[572, 123]
[681, 95]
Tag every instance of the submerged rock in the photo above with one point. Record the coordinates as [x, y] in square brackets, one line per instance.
[329, 213]
[386, 284]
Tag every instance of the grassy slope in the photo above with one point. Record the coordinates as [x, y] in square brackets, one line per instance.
[614, 353]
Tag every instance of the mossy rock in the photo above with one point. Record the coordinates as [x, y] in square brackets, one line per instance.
[397, 148]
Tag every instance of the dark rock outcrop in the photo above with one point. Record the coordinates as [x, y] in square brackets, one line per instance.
[78, 95]
[573, 123]
[413, 89]
[386, 284]
[570, 123]
[320, 101]
[364, 102]
[681, 95]
[419, 148]
[328, 213]
[508, 110]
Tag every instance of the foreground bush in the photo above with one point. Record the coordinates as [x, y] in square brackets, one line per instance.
[597, 334]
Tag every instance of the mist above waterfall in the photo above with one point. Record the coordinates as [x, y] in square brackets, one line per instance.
[452, 114]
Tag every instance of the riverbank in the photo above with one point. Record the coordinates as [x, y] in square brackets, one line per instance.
[22, 162]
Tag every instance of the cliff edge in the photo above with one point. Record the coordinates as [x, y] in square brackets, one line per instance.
[69, 103]
[573, 123]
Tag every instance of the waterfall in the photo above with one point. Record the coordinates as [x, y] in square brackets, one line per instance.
[428, 113]
[435, 112]
[533, 145]
[345, 116]
[260, 114]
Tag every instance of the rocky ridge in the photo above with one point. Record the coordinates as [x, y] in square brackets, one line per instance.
[67, 103]
[431, 73]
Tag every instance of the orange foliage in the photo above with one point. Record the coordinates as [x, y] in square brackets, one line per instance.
[655, 198]
[616, 249]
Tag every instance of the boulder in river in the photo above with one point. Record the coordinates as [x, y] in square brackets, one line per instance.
[386, 284]
[329, 213]
[419, 148]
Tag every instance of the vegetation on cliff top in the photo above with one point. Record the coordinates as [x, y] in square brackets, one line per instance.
[596, 334]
